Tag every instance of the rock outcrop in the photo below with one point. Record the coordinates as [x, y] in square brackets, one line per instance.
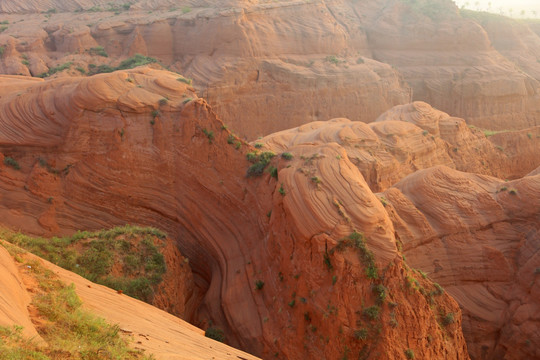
[302, 266]
[478, 237]
[158, 333]
[268, 66]
[450, 224]
[416, 136]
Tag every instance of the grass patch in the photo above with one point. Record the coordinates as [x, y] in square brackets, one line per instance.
[9, 161]
[448, 319]
[134, 61]
[357, 241]
[56, 69]
[260, 162]
[332, 59]
[372, 312]
[215, 333]
[209, 134]
[287, 156]
[138, 263]
[130, 63]
[409, 354]
[259, 284]
[185, 80]
[98, 51]
[70, 331]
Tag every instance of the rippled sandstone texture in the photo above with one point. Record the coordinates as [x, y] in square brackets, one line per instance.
[267, 66]
[274, 258]
[474, 234]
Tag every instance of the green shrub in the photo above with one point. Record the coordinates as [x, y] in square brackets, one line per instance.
[259, 284]
[215, 333]
[260, 161]
[12, 162]
[3, 28]
[448, 319]
[438, 289]
[372, 312]
[327, 261]
[134, 61]
[56, 69]
[409, 354]
[98, 51]
[184, 80]
[99, 251]
[287, 155]
[332, 59]
[380, 291]
[361, 334]
[209, 135]
[357, 240]
[2, 49]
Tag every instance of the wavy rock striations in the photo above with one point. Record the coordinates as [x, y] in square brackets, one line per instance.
[302, 266]
[416, 136]
[478, 237]
[290, 62]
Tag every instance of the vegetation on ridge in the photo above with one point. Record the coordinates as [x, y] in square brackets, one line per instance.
[126, 258]
[70, 331]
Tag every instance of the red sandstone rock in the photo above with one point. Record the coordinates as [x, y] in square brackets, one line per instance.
[178, 169]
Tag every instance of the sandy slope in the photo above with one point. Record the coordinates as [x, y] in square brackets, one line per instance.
[157, 332]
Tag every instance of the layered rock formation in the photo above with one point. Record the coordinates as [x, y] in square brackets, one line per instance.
[474, 234]
[291, 62]
[147, 328]
[478, 237]
[416, 136]
[298, 267]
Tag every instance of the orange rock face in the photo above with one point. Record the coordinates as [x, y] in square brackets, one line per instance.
[273, 258]
[265, 67]
[450, 224]
[416, 136]
[144, 327]
[478, 237]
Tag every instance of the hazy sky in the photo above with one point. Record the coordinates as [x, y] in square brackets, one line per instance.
[505, 5]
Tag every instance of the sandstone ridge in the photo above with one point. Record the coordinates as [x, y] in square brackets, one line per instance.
[287, 63]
